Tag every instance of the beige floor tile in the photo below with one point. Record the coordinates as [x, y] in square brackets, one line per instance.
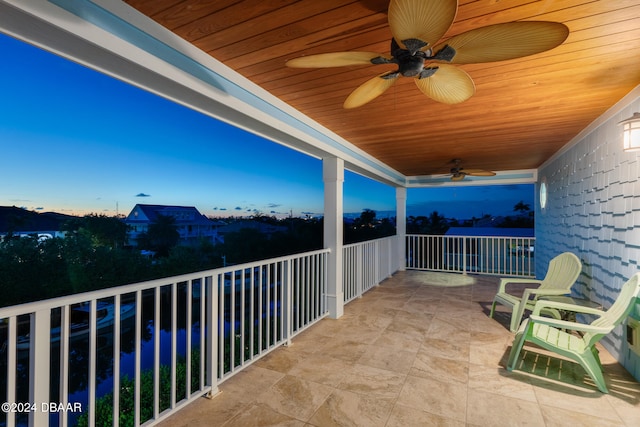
[373, 381]
[343, 349]
[281, 360]
[261, 415]
[586, 401]
[500, 381]
[444, 398]
[363, 334]
[321, 369]
[410, 327]
[488, 349]
[345, 408]
[206, 412]
[445, 369]
[397, 340]
[388, 358]
[624, 396]
[369, 318]
[441, 328]
[453, 350]
[295, 397]
[404, 416]
[422, 306]
[489, 409]
[557, 417]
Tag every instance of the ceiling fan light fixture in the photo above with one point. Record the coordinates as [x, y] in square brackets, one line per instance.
[631, 133]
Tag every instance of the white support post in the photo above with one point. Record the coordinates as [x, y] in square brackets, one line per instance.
[333, 176]
[401, 226]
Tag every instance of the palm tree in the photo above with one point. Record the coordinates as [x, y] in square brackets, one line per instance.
[437, 223]
[522, 207]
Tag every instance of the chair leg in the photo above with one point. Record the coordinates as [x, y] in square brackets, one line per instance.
[516, 316]
[596, 356]
[493, 308]
[591, 363]
[518, 343]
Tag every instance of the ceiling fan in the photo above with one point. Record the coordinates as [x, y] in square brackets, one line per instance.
[458, 173]
[416, 25]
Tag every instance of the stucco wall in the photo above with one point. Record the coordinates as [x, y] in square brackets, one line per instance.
[593, 210]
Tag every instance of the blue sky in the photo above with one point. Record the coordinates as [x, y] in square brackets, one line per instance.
[76, 141]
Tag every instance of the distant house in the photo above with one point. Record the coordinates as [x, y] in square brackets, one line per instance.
[192, 226]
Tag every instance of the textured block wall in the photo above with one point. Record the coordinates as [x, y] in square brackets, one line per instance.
[593, 210]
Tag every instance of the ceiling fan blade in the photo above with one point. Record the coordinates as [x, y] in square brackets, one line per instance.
[370, 90]
[334, 59]
[426, 20]
[479, 172]
[449, 85]
[510, 40]
[457, 177]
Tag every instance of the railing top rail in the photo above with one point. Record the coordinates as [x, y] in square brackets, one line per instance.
[47, 304]
[248, 265]
[351, 245]
[470, 236]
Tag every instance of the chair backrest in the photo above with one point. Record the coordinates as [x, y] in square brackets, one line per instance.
[563, 272]
[618, 311]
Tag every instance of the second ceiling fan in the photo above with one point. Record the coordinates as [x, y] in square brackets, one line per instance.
[458, 172]
[416, 26]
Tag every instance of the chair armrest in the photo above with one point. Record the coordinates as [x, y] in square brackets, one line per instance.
[542, 304]
[567, 325]
[543, 292]
[513, 280]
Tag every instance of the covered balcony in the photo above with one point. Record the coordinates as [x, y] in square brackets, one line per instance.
[256, 344]
[350, 333]
[417, 350]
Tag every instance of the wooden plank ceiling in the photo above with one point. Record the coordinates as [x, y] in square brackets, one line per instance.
[524, 110]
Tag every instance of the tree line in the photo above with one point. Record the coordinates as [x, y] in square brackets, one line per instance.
[94, 254]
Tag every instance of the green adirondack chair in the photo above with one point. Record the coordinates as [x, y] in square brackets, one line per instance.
[562, 273]
[557, 335]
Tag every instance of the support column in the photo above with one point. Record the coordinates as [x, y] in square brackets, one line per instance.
[401, 226]
[333, 177]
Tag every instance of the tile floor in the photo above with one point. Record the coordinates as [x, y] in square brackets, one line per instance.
[418, 350]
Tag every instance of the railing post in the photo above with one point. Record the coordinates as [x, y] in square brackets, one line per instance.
[359, 270]
[39, 366]
[288, 302]
[464, 256]
[11, 364]
[211, 365]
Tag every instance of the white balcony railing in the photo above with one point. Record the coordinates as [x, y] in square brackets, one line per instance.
[366, 264]
[153, 346]
[509, 256]
[135, 354]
